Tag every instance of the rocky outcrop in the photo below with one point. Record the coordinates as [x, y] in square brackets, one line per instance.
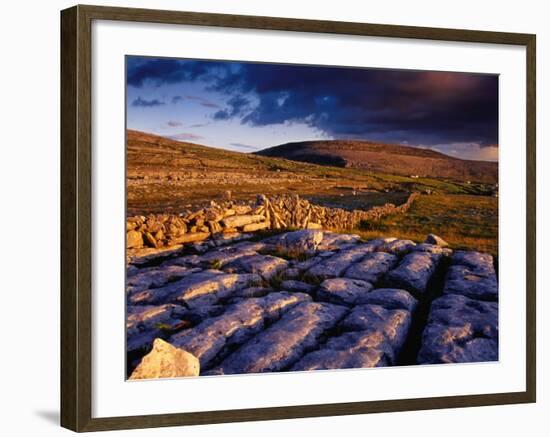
[309, 299]
[229, 218]
[166, 361]
[463, 324]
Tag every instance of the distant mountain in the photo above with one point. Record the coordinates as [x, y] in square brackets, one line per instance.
[386, 158]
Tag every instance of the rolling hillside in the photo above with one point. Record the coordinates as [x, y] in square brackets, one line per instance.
[386, 158]
[167, 175]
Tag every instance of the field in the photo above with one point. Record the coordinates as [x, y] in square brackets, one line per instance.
[464, 221]
[170, 176]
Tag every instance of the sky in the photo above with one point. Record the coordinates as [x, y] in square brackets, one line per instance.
[246, 106]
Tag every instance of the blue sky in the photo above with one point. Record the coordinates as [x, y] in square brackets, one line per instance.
[250, 106]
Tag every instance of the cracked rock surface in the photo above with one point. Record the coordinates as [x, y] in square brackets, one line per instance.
[308, 300]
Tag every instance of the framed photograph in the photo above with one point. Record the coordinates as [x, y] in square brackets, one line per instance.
[268, 218]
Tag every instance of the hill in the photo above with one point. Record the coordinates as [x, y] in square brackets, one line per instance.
[386, 158]
[164, 175]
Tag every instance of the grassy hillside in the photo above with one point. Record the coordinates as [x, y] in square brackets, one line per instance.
[168, 175]
[386, 158]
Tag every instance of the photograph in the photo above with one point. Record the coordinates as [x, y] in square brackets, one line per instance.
[292, 218]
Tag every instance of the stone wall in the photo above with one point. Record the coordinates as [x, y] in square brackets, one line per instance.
[277, 212]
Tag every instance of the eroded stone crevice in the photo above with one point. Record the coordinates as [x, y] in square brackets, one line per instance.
[309, 299]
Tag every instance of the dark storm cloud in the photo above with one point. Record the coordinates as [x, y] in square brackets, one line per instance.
[387, 105]
[201, 100]
[139, 102]
[237, 106]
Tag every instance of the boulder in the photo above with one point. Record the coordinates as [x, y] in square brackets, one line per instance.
[337, 264]
[460, 330]
[480, 263]
[392, 324]
[473, 283]
[236, 325]
[343, 291]
[305, 240]
[166, 361]
[255, 226]
[435, 240]
[146, 322]
[236, 221]
[397, 247]
[294, 285]
[389, 298]
[285, 341]
[347, 351]
[134, 239]
[207, 287]
[413, 272]
[372, 267]
[191, 237]
[264, 265]
[154, 277]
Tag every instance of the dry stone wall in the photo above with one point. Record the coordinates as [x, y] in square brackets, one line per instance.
[229, 218]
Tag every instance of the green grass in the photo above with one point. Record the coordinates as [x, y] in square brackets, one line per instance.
[464, 221]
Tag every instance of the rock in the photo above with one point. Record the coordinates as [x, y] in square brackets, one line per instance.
[255, 226]
[293, 285]
[432, 248]
[389, 298]
[265, 265]
[151, 241]
[338, 263]
[207, 287]
[435, 240]
[253, 292]
[480, 263]
[144, 323]
[237, 221]
[156, 277]
[460, 330]
[343, 291]
[235, 326]
[148, 254]
[221, 257]
[190, 238]
[134, 239]
[413, 272]
[292, 273]
[372, 267]
[166, 361]
[473, 283]
[333, 240]
[284, 342]
[347, 351]
[392, 324]
[397, 247]
[300, 241]
[312, 225]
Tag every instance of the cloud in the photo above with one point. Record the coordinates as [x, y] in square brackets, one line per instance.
[185, 136]
[201, 100]
[420, 107]
[173, 123]
[236, 106]
[244, 146]
[139, 102]
[472, 151]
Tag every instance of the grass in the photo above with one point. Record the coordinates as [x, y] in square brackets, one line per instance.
[464, 221]
[286, 253]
